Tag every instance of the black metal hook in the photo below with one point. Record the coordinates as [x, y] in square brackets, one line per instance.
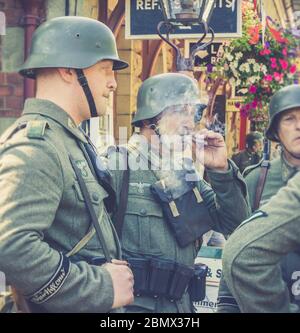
[169, 28]
[198, 47]
[185, 64]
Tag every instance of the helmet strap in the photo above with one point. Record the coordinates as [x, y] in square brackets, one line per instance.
[87, 91]
[155, 129]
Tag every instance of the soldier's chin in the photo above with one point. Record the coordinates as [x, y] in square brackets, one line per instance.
[296, 154]
[102, 109]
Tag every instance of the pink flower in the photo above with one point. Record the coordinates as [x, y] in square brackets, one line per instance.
[284, 64]
[277, 76]
[273, 62]
[268, 78]
[252, 89]
[237, 105]
[265, 52]
[284, 52]
[254, 104]
[247, 107]
[293, 69]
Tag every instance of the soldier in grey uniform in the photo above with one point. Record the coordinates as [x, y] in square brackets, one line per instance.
[47, 238]
[265, 249]
[252, 154]
[169, 100]
[262, 187]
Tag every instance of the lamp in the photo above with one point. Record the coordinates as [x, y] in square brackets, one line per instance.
[184, 14]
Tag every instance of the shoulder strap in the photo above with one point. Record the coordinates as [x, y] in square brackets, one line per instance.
[265, 165]
[91, 210]
[35, 129]
[10, 132]
[261, 183]
[120, 214]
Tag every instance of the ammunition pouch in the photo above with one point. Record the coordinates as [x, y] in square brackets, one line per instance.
[197, 286]
[164, 278]
[184, 209]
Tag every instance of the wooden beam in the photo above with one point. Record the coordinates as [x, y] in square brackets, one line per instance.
[150, 53]
[117, 17]
[103, 11]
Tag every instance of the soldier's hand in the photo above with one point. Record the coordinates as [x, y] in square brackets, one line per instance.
[122, 279]
[211, 150]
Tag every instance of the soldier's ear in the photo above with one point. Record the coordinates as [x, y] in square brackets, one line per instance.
[67, 75]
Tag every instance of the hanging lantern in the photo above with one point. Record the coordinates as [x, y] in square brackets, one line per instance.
[183, 14]
[187, 12]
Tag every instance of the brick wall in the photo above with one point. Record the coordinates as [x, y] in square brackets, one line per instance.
[11, 95]
[13, 10]
[11, 83]
[11, 56]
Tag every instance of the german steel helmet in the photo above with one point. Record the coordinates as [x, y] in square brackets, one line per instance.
[162, 91]
[283, 100]
[71, 42]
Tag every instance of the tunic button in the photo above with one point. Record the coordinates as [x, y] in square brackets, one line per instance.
[143, 211]
[95, 197]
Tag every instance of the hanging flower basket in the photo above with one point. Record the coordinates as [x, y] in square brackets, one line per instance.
[259, 63]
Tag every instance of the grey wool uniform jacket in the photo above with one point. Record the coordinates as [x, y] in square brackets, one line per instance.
[43, 215]
[145, 232]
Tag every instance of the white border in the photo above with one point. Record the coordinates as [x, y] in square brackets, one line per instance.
[183, 36]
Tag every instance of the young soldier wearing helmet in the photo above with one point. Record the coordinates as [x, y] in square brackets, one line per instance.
[157, 220]
[46, 177]
[252, 154]
[253, 253]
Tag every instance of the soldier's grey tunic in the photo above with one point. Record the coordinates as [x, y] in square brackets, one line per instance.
[43, 216]
[146, 234]
[253, 253]
[278, 175]
[244, 159]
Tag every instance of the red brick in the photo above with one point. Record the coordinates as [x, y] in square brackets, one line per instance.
[10, 3]
[10, 113]
[14, 102]
[18, 4]
[14, 78]
[6, 90]
[2, 76]
[13, 17]
[18, 91]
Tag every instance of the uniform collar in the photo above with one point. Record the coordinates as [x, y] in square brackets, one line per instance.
[287, 169]
[53, 111]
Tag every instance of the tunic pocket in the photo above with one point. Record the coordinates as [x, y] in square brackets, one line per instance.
[144, 230]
